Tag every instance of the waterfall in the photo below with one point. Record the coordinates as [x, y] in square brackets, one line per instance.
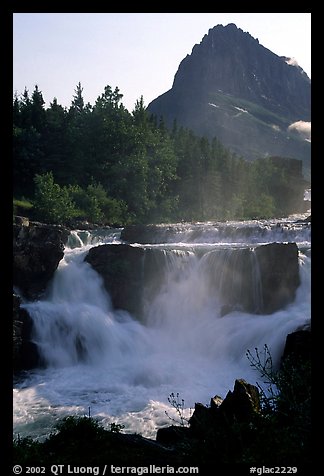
[76, 321]
[256, 282]
[98, 356]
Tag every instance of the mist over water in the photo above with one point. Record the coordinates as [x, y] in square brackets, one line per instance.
[125, 370]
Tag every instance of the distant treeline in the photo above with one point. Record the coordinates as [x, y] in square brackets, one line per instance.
[106, 165]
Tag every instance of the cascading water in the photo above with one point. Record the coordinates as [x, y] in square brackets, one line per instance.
[124, 370]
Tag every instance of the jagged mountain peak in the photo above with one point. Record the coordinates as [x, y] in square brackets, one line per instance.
[233, 88]
[232, 61]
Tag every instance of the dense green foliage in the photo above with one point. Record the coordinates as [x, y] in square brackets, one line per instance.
[103, 164]
[284, 426]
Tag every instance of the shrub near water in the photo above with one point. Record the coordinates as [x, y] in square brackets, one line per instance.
[83, 441]
[283, 430]
[76, 439]
[53, 203]
[63, 205]
[21, 207]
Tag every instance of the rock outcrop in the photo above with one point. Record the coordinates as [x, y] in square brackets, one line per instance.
[279, 273]
[239, 406]
[25, 353]
[37, 250]
[259, 281]
[298, 345]
[121, 267]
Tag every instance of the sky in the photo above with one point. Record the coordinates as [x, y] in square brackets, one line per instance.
[137, 52]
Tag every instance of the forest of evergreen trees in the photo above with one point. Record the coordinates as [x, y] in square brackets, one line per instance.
[105, 165]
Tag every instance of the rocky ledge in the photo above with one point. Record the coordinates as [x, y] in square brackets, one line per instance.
[37, 250]
[132, 275]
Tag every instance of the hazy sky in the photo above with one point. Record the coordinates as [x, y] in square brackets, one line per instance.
[137, 52]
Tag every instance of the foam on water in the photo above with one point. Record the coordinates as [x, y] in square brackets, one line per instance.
[125, 370]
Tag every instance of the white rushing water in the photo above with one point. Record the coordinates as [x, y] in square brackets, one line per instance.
[124, 370]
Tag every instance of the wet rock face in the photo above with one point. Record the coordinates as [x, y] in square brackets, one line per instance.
[298, 345]
[279, 273]
[133, 275]
[25, 353]
[37, 250]
[121, 267]
[259, 281]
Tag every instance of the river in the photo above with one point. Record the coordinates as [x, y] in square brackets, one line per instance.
[104, 362]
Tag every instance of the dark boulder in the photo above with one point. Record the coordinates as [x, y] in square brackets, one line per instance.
[239, 406]
[22, 221]
[171, 435]
[132, 275]
[121, 267]
[259, 281]
[37, 250]
[306, 220]
[232, 274]
[279, 273]
[25, 353]
[298, 345]
[216, 423]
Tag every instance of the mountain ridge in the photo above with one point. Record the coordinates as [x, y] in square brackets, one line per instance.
[233, 88]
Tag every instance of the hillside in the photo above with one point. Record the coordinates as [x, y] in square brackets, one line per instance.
[233, 88]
